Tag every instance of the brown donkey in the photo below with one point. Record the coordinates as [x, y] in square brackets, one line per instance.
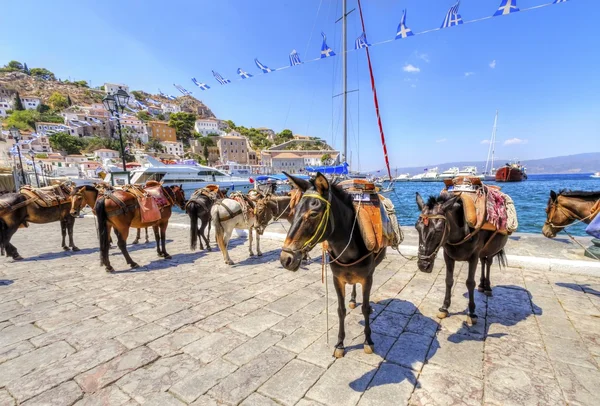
[566, 207]
[120, 210]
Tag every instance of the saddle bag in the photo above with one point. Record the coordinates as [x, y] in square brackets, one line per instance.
[149, 211]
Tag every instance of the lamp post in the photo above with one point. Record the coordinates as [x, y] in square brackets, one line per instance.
[32, 155]
[115, 104]
[16, 134]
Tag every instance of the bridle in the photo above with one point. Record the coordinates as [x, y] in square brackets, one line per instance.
[425, 218]
[567, 213]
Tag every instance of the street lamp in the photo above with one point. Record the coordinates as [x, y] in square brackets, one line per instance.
[32, 155]
[115, 103]
[16, 134]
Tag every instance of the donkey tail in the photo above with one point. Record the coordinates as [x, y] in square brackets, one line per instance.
[192, 211]
[103, 230]
[3, 231]
[502, 261]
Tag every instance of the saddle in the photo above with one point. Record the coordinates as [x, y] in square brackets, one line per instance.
[151, 200]
[375, 215]
[49, 196]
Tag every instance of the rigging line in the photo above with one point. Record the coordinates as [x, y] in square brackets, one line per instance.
[357, 102]
[313, 27]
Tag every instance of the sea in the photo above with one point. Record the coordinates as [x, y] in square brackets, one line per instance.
[530, 197]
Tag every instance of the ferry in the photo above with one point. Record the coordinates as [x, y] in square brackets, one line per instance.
[511, 172]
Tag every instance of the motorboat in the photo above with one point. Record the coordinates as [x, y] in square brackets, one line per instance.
[469, 172]
[449, 174]
[432, 175]
[405, 177]
[596, 175]
[417, 178]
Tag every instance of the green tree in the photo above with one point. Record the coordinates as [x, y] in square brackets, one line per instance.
[67, 143]
[57, 101]
[183, 123]
[154, 143]
[69, 102]
[42, 73]
[81, 83]
[42, 108]
[326, 159]
[15, 65]
[138, 95]
[23, 119]
[144, 115]
[160, 117]
[95, 143]
[25, 69]
[18, 105]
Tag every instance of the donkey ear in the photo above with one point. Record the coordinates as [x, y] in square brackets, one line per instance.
[298, 183]
[321, 183]
[420, 202]
[448, 204]
[553, 195]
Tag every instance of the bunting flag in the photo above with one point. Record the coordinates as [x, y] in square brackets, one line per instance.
[403, 31]
[220, 78]
[149, 100]
[361, 42]
[171, 97]
[161, 93]
[263, 68]
[243, 74]
[507, 7]
[325, 50]
[202, 86]
[294, 58]
[452, 17]
[182, 90]
[559, 1]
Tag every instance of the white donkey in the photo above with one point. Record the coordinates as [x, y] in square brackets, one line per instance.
[227, 215]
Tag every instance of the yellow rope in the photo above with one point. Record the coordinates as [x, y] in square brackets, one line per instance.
[322, 227]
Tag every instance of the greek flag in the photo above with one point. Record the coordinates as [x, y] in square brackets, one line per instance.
[262, 67]
[559, 1]
[182, 90]
[202, 86]
[294, 58]
[403, 31]
[152, 101]
[244, 75]
[325, 50]
[161, 93]
[171, 97]
[361, 42]
[220, 78]
[507, 7]
[452, 17]
[139, 104]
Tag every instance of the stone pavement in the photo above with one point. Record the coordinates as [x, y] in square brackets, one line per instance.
[192, 330]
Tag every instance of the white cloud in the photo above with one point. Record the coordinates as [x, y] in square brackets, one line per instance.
[493, 64]
[441, 140]
[467, 74]
[423, 57]
[515, 141]
[410, 68]
[485, 142]
[413, 86]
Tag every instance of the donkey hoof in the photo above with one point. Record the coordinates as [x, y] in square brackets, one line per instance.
[208, 249]
[110, 269]
[17, 258]
[229, 262]
[75, 249]
[259, 254]
[251, 254]
[134, 242]
[443, 313]
[480, 289]
[167, 256]
[352, 304]
[65, 248]
[133, 265]
[489, 293]
[369, 348]
[472, 320]
[147, 242]
[338, 353]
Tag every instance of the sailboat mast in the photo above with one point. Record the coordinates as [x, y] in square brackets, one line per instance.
[345, 77]
[492, 148]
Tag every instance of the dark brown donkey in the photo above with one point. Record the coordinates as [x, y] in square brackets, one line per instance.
[17, 209]
[442, 224]
[326, 213]
[566, 207]
[198, 208]
[119, 210]
[273, 208]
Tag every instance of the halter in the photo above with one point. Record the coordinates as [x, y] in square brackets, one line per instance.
[567, 213]
[426, 218]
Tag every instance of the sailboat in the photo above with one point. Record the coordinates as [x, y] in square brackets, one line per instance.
[490, 172]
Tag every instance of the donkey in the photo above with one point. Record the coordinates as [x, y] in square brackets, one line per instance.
[442, 224]
[567, 207]
[326, 213]
[199, 207]
[273, 208]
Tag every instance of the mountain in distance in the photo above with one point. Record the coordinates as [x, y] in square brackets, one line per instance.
[579, 163]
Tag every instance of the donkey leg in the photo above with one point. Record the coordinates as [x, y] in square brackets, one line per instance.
[207, 238]
[63, 231]
[201, 236]
[250, 239]
[137, 236]
[481, 286]
[472, 317]
[163, 240]
[449, 282]
[11, 250]
[147, 239]
[70, 225]
[258, 251]
[488, 284]
[219, 235]
[340, 288]
[157, 238]
[352, 303]
[369, 346]
[122, 244]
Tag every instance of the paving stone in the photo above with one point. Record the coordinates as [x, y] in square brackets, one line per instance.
[212, 306]
[437, 387]
[251, 376]
[173, 342]
[198, 383]
[392, 384]
[15, 350]
[308, 402]
[6, 399]
[290, 304]
[161, 311]
[163, 399]
[349, 378]
[319, 353]
[410, 350]
[523, 356]
[65, 394]
[14, 334]
[389, 323]
[292, 323]
[142, 335]
[90, 337]
[579, 384]
[458, 353]
[142, 384]
[176, 320]
[215, 345]
[258, 400]
[18, 367]
[423, 325]
[67, 332]
[205, 400]
[110, 395]
[569, 352]
[70, 317]
[401, 306]
[248, 306]
[217, 320]
[256, 322]
[253, 347]
[107, 373]
[557, 326]
[526, 331]
[45, 378]
[292, 382]
[355, 350]
[299, 340]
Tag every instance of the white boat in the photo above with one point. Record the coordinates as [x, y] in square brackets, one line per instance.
[470, 172]
[449, 174]
[191, 177]
[432, 175]
[417, 178]
[596, 175]
[235, 169]
[489, 174]
[405, 177]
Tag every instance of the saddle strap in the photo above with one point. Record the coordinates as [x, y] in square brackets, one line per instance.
[124, 208]
[231, 213]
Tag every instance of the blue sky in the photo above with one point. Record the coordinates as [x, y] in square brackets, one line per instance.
[544, 80]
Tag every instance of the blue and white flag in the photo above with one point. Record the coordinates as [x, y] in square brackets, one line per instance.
[139, 104]
[559, 1]
[294, 58]
[220, 78]
[403, 31]
[452, 17]
[182, 90]
[325, 50]
[149, 100]
[361, 42]
[171, 97]
[161, 93]
[507, 7]
[202, 86]
[262, 67]
[243, 74]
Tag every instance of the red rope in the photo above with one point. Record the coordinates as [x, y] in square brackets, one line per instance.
[385, 153]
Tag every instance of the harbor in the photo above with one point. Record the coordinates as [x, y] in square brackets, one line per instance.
[174, 333]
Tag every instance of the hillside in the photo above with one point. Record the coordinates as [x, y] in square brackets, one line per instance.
[81, 95]
[579, 163]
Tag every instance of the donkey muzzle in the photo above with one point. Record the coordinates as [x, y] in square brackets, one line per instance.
[290, 260]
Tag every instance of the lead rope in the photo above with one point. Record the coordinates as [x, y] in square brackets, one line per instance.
[324, 277]
[580, 244]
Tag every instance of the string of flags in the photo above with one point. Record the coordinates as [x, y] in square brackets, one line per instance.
[451, 19]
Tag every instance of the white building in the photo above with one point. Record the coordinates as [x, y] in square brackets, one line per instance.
[287, 161]
[175, 148]
[111, 88]
[207, 126]
[4, 106]
[30, 103]
[105, 153]
[44, 128]
[170, 108]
